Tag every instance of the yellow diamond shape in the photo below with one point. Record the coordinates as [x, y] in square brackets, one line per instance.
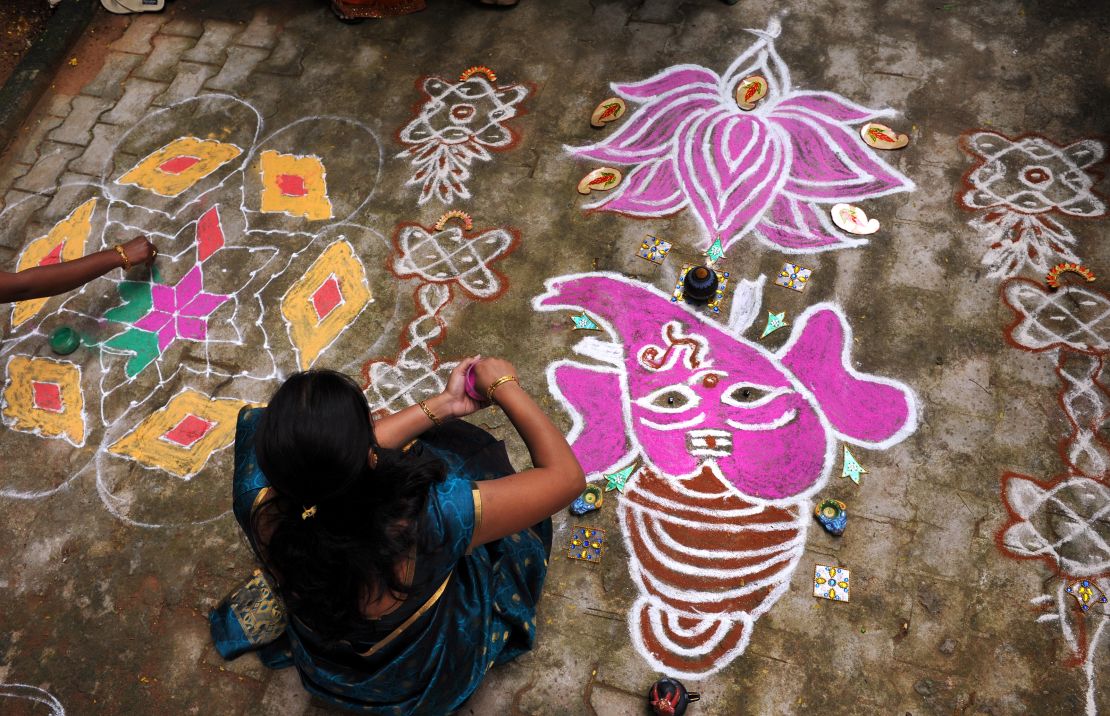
[71, 234]
[310, 332]
[148, 443]
[21, 412]
[294, 185]
[179, 165]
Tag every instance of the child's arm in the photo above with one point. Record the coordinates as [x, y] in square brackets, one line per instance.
[42, 281]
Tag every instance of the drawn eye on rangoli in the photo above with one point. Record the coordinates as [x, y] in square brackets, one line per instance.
[676, 398]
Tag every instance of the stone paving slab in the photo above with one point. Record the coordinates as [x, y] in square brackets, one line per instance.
[120, 548]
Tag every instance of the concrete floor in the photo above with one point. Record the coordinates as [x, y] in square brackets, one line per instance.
[112, 552]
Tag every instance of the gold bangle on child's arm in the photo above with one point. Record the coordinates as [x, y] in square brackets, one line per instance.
[123, 257]
[429, 413]
[498, 383]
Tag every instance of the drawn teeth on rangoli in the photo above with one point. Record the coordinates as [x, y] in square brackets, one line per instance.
[1052, 278]
[465, 218]
[65, 242]
[793, 276]
[44, 397]
[322, 303]
[478, 70]
[294, 185]
[179, 165]
[456, 124]
[180, 437]
[449, 255]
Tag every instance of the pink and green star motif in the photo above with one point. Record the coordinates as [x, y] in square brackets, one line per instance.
[180, 311]
[160, 315]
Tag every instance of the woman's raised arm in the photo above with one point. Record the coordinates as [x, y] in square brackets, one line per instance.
[516, 502]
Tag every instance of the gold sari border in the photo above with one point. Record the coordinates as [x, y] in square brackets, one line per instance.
[410, 621]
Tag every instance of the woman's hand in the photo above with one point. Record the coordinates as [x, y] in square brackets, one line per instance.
[453, 401]
[489, 371]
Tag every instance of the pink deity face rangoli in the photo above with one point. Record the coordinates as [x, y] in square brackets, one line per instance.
[691, 393]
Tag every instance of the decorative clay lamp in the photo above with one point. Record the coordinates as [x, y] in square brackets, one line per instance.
[700, 285]
[669, 697]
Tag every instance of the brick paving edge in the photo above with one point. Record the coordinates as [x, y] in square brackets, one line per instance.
[36, 70]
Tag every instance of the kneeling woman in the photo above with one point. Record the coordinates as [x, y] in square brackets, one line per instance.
[402, 557]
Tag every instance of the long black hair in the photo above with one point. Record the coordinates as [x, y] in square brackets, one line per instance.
[312, 443]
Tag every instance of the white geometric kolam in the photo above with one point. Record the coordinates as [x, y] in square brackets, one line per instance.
[448, 255]
[459, 122]
[1074, 317]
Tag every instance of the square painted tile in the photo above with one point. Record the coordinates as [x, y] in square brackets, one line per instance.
[654, 250]
[586, 544]
[831, 583]
[793, 276]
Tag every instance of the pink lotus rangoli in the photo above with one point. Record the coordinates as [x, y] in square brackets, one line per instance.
[767, 172]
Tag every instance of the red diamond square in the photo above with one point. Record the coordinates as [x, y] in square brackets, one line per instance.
[55, 255]
[178, 164]
[187, 432]
[210, 234]
[292, 185]
[47, 396]
[327, 297]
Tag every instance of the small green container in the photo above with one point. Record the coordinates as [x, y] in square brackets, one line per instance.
[64, 341]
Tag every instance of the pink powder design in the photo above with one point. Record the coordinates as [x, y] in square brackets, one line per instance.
[764, 172]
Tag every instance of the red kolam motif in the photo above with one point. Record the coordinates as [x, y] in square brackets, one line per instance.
[710, 563]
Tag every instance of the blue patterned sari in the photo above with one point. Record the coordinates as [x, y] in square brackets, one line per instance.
[428, 656]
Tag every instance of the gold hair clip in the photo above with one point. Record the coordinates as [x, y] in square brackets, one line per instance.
[309, 512]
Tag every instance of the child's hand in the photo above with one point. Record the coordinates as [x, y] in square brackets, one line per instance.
[140, 251]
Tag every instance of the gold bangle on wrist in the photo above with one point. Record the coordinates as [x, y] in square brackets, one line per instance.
[429, 413]
[123, 257]
[498, 383]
